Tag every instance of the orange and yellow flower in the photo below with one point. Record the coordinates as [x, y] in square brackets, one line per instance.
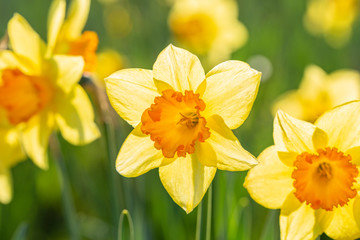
[312, 174]
[40, 93]
[319, 92]
[209, 28]
[183, 120]
[65, 36]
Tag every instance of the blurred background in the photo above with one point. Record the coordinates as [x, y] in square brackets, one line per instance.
[278, 44]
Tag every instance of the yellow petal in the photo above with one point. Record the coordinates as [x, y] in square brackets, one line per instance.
[269, 183]
[5, 186]
[313, 82]
[138, 155]
[35, 138]
[231, 88]
[355, 155]
[8, 59]
[231, 156]
[293, 135]
[290, 102]
[299, 221]
[342, 125]
[54, 23]
[25, 41]
[344, 86]
[68, 71]
[206, 154]
[179, 68]
[343, 224]
[76, 18]
[186, 180]
[75, 118]
[11, 152]
[131, 92]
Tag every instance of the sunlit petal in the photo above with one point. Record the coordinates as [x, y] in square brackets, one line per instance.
[138, 155]
[269, 183]
[231, 156]
[131, 92]
[179, 68]
[186, 180]
[231, 88]
[342, 124]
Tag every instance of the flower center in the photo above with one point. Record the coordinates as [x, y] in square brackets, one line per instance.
[174, 122]
[197, 31]
[85, 46]
[23, 96]
[325, 180]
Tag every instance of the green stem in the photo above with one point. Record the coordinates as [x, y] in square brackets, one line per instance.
[209, 214]
[198, 222]
[109, 128]
[114, 200]
[68, 204]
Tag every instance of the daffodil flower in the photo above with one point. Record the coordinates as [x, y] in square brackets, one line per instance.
[183, 120]
[39, 94]
[332, 18]
[319, 92]
[312, 174]
[209, 28]
[65, 35]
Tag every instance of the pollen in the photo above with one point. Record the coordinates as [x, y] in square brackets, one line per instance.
[86, 46]
[324, 180]
[23, 96]
[174, 123]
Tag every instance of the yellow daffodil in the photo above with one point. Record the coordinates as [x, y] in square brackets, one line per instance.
[109, 61]
[319, 92]
[209, 28]
[66, 37]
[39, 94]
[332, 18]
[183, 120]
[312, 174]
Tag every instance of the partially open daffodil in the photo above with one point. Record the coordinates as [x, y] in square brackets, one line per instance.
[40, 93]
[332, 18]
[183, 120]
[209, 28]
[65, 35]
[319, 92]
[312, 175]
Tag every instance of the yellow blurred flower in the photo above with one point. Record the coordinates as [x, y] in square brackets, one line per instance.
[40, 94]
[319, 92]
[183, 120]
[208, 27]
[66, 37]
[312, 174]
[332, 18]
[109, 61]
